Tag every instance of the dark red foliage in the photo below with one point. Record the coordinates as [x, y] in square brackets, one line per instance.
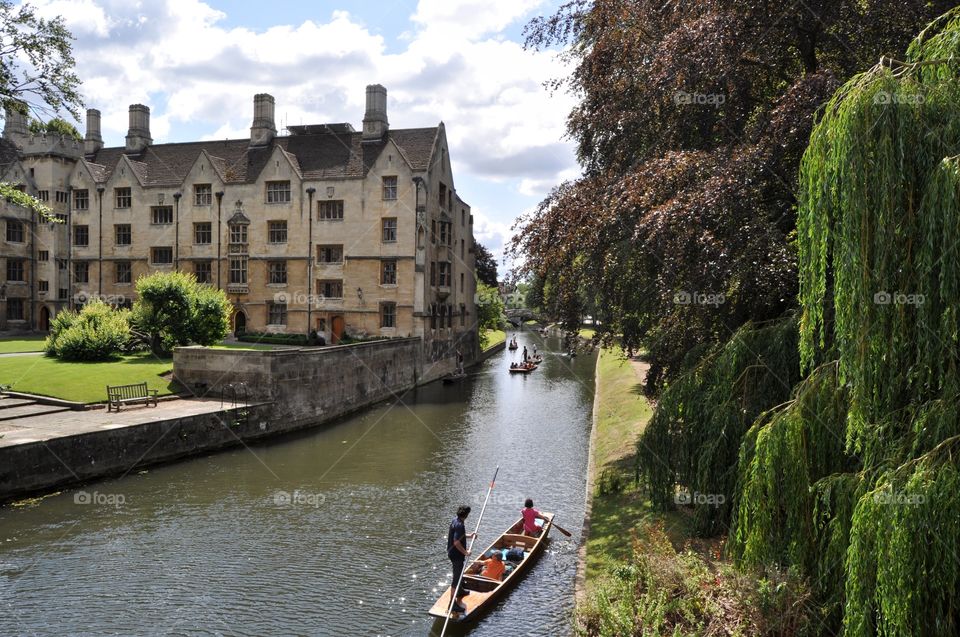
[692, 119]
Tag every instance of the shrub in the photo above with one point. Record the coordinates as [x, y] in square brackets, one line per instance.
[98, 332]
[173, 309]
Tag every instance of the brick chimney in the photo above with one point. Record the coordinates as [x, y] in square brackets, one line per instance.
[92, 141]
[375, 123]
[138, 136]
[263, 129]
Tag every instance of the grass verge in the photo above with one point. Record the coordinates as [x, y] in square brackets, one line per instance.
[82, 381]
[494, 337]
[21, 344]
[618, 506]
[587, 332]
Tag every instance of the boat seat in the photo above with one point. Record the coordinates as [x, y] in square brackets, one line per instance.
[514, 539]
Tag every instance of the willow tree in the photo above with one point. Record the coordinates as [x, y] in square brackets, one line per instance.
[858, 476]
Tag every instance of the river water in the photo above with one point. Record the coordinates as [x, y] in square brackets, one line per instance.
[335, 531]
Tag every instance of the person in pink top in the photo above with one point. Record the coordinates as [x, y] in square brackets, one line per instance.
[530, 517]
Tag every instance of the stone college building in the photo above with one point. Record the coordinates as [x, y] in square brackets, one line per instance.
[326, 228]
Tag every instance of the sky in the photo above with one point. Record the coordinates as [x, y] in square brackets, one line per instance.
[197, 65]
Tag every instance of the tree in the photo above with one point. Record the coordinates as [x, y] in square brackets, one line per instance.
[692, 120]
[36, 73]
[55, 126]
[173, 309]
[36, 63]
[489, 310]
[486, 266]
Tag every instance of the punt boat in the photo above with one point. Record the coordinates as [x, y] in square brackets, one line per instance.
[483, 592]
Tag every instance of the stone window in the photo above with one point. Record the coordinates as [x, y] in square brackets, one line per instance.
[161, 256]
[81, 236]
[81, 199]
[433, 231]
[463, 217]
[449, 315]
[203, 233]
[123, 272]
[14, 309]
[43, 255]
[43, 286]
[61, 197]
[461, 282]
[463, 315]
[161, 215]
[330, 210]
[389, 188]
[202, 194]
[442, 195]
[278, 191]
[62, 293]
[390, 230]
[330, 288]
[15, 270]
[388, 315]
[444, 280]
[277, 272]
[81, 272]
[43, 195]
[238, 233]
[121, 234]
[330, 254]
[238, 270]
[388, 272]
[122, 197]
[203, 271]
[433, 273]
[461, 249]
[277, 231]
[14, 231]
[277, 313]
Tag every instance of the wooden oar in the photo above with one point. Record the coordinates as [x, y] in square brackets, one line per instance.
[453, 593]
[561, 529]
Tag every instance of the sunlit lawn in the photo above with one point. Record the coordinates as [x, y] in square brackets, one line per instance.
[21, 344]
[622, 415]
[83, 382]
[587, 332]
[495, 337]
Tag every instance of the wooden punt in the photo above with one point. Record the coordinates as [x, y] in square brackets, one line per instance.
[513, 347]
[522, 370]
[483, 592]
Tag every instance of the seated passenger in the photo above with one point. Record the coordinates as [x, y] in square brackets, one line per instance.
[493, 567]
[530, 517]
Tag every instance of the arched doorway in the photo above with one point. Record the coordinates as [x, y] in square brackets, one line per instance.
[44, 323]
[336, 329]
[239, 323]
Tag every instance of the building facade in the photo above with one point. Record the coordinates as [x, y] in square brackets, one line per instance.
[326, 228]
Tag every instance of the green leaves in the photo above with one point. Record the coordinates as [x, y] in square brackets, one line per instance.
[173, 309]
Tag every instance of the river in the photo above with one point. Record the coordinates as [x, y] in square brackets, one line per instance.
[335, 531]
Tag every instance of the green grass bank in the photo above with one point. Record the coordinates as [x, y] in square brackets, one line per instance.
[84, 382]
[21, 344]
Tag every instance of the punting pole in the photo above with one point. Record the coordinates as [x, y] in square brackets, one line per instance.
[453, 595]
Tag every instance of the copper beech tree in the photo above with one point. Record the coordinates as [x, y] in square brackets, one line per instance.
[691, 121]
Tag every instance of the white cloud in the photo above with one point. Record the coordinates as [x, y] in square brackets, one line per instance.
[454, 64]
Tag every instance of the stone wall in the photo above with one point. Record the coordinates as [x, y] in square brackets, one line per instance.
[311, 384]
[67, 460]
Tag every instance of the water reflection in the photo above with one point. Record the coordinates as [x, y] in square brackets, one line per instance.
[333, 532]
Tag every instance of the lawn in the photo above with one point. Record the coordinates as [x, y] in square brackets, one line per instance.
[587, 332]
[622, 414]
[21, 344]
[83, 382]
[494, 337]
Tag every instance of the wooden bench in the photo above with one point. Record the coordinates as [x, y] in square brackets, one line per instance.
[118, 395]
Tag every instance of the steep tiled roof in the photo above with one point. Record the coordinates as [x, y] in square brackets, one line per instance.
[318, 153]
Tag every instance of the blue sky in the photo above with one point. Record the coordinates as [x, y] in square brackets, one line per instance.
[198, 64]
